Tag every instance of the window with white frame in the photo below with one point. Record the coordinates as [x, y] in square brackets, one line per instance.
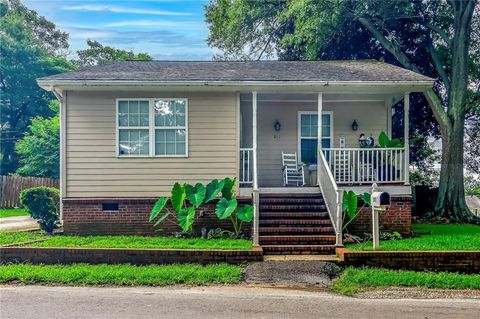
[152, 127]
[170, 127]
[308, 135]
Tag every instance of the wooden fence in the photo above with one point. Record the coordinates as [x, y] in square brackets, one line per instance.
[11, 186]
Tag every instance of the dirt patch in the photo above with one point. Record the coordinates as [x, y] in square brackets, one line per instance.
[293, 272]
[417, 293]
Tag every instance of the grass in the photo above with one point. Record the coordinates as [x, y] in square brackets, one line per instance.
[12, 212]
[121, 275]
[123, 241]
[12, 237]
[354, 279]
[434, 237]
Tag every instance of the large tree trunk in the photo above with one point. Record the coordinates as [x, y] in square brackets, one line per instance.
[451, 196]
[451, 203]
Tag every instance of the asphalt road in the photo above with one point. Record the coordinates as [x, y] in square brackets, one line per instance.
[215, 302]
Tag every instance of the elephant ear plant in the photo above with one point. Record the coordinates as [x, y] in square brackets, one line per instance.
[186, 199]
[350, 205]
[384, 141]
[227, 207]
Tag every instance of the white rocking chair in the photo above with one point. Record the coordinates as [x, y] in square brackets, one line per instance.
[292, 172]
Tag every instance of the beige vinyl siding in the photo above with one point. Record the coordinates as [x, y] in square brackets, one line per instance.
[94, 170]
[371, 118]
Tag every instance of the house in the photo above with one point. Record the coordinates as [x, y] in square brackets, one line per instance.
[129, 130]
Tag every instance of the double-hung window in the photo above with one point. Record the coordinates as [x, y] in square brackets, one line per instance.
[152, 127]
[308, 135]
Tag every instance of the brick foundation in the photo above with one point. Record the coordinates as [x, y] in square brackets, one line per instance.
[85, 216]
[397, 217]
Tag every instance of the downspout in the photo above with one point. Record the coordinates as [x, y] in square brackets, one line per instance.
[62, 114]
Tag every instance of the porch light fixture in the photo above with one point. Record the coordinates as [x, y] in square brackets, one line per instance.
[277, 126]
[354, 125]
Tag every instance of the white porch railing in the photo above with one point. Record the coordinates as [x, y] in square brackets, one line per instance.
[367, 165]
[332, 196]
[246, 166]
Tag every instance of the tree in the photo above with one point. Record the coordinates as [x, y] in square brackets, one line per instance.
[429, 37]
[39, 148]
[97, 53]
[31, 47]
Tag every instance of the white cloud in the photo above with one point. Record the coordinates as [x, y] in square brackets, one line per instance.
[157, 23]
[118, 9]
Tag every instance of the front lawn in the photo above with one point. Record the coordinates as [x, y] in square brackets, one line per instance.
[354, 279]
[12, 212]
[123, 241]
[13, 237]
[433, 237]
[121, 275]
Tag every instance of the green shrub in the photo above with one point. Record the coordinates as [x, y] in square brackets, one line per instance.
[43, 204]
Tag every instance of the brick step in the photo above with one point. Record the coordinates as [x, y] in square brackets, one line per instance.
[291, 195]
[298, 249]
[294, 215]
[297, 240]
[287, 201]
[295, 230]
[293, 208]
[294, 222]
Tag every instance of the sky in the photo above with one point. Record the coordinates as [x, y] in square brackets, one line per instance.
[165, 29]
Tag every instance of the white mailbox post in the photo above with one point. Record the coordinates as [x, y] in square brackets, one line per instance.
[380, 201]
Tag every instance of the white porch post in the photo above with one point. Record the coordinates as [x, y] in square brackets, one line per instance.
[406, 111]
[319, 131]
[255, 192]
[319, 123]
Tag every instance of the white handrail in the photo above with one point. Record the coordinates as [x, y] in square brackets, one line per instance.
[246, 165]
[332, 196]
[367, 165]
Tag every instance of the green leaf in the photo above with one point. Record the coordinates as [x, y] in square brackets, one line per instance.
[178, 196]
[161, 219]
[185, 218]
[383, 139]
[229, 187]
[367, 199]
[158, 207]
[245, 213]
[395, 143]
[352, 204]
[225, 207]
[195, 195]
[213, 189]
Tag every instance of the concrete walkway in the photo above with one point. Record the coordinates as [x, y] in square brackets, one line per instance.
[18, 223]
[292, 272]
[216, 302]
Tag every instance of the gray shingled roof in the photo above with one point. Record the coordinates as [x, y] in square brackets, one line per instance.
[229, 71]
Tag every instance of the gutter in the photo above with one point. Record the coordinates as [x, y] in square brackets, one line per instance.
[49, 85]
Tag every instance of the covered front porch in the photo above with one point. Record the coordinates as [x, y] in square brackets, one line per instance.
[276, 123]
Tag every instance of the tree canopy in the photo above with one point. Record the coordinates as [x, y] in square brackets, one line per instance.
[39, 147]
[31, 47]
[97, 53]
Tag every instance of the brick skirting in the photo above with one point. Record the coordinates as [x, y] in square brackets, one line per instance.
[126, 256]
[397, 217]
[452, 261]
[85, 216]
